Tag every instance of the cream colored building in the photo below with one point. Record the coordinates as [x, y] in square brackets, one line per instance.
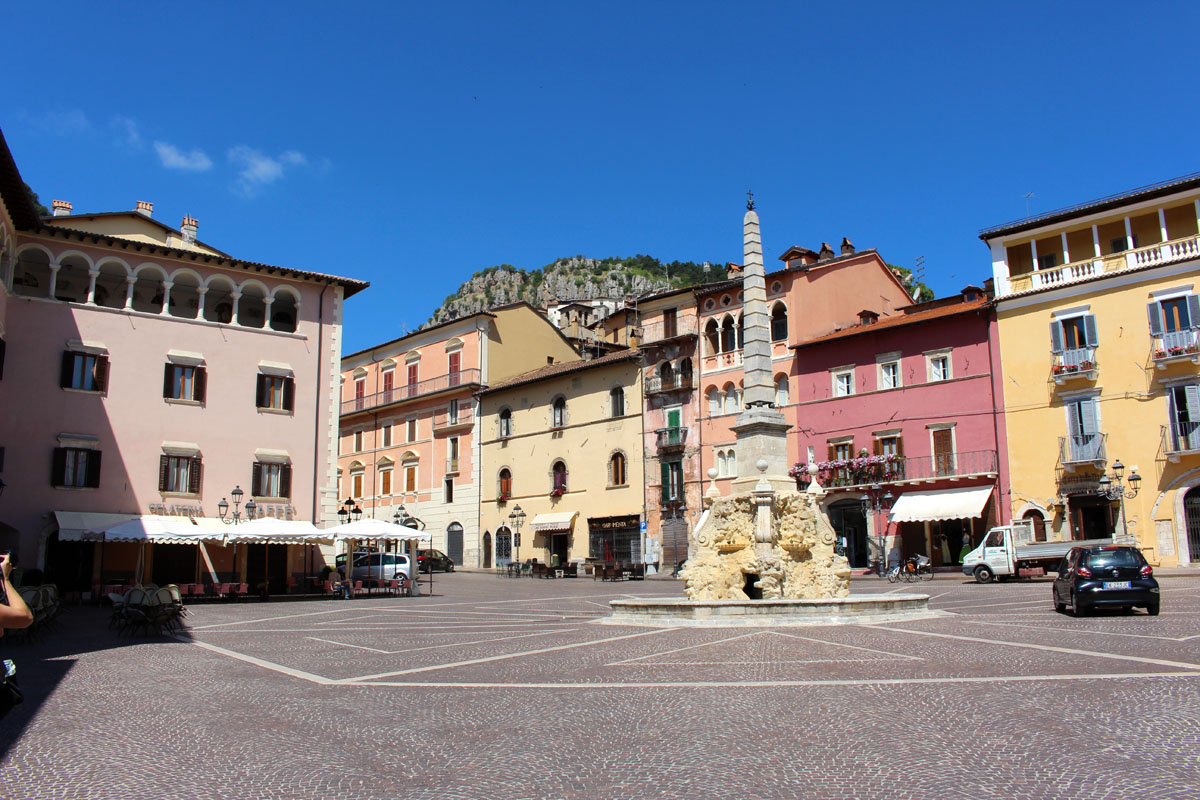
[564, 443]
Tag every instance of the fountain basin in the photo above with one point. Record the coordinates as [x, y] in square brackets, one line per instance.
[662, 612]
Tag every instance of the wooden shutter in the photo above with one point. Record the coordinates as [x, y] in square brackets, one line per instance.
[194, 476]
[58, 466]
[256, 479]
[666, 480]
[260, 391]
[1056, 337]
[168, 380]
[3, 347]
[832, 452]
[93, 469]
[1089, 330]
[200, 384]
[877, 446]
[1087, 416]
[164, 466]
[289, 393]
[900, 446]
[1154, 311]
[1193, 307]
[68, 366]
[101, 373]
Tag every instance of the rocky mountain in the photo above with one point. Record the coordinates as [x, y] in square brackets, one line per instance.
[572, 278]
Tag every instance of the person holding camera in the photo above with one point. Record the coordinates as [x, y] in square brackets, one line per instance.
[13, 611]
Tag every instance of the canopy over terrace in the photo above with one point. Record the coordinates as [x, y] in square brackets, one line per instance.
[149, 528]
[947, 504]
[268, 531]
[366, 530]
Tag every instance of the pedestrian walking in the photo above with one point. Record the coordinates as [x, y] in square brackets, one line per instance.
[13, 614]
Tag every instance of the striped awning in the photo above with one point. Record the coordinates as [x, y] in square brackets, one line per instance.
[966, 503]
[558, 521]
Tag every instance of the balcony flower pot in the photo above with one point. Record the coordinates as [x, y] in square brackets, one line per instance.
[557, 492]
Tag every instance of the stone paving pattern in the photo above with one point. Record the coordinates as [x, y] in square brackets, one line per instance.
[506, 688]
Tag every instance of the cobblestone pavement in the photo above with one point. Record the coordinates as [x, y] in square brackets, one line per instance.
[507, 688]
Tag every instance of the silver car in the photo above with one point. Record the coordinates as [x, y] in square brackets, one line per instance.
[381, 567]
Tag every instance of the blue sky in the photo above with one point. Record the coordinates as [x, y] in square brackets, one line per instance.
[412, 144]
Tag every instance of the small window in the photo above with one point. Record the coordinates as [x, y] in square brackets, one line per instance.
[939, 368]
[616, 470]
[843, 383]
[184, 382]
[781, 391]
[387, 435]
[714, 402]
[1048, 261]
[452, 412]
[356, 484]
[179, 474]
[269, 479]
[448, 489]
[505, 488]
[559, 474]
[616, 398]
[779, 323]
[410, 477]
[87, 372]
[505, 423]
[358, 441]
[75, 467]
[412, 429]
[385, 481]
[889, 375]
[275, 392]
[558, 416]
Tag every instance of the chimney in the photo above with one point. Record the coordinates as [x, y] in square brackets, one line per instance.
[144, 208]
[826, 252]
[61, 208]
[188, 229]
[847, 247]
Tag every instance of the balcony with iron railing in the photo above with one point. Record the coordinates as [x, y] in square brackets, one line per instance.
[1082, 450]
[1180, 440]
[451, 465]
[676, 382]
[1076, 363]
[1173, 347]
[657, 331]
[671, 438]
[871, 470]
[1151, 255]
[444, 420]
[464, 379]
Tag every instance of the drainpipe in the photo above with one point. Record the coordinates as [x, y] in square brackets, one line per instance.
[317, 430]
[992, 367]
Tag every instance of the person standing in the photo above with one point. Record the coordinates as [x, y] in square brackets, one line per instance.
[13, 611]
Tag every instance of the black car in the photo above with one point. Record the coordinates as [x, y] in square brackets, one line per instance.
[1108, 576]
[429, 560]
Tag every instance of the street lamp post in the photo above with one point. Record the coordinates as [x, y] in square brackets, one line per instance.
[1113, 489]
[237, 516]
[402, 517]
[516, 518]
[670, 511]
[874, 501]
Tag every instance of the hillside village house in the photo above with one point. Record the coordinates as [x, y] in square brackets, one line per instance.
[146, 373]
[563, 443]
[410, 426]
[1098, 309]
[900, 409]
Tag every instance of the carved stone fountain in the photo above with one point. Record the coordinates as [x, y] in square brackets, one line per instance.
[765, 554]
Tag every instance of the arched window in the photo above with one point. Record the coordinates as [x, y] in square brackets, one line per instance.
[731, 400]
[616, 470]
[1039, 524]
[721, 467]
[779, 326]
[148, 290]
[559, 475]
[32, 275]
[558, 412]
[218, 300]
[71, 283]
[666, 374]
[185, 295]
[685, 372]
[731, 462]
[714, 401]
[505, 488]
[616, 401]
[728, 335]
[252, 306]
[712, 337]
[781, 390]
[505, 423]
[741, 332]
[111, 284]
[285, 311]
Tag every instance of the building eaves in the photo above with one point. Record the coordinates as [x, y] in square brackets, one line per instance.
[560, 369]
[52, 222]
[419, 332]
[12, 189]
[896, 321]
[1150, 192]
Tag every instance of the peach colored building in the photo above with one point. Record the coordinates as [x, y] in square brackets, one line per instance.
[147, 373]
[409, 421]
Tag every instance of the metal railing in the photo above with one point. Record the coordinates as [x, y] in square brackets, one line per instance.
[1181, 437]
[1171, 345]
[676, 382]
[1150, 255]
[671, 437]
[443, 419]
[657, 331]
[464, 379]
[912, 468]
[1083, 449]
[451, 465]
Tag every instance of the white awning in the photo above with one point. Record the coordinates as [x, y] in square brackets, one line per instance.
[268, 530]
[966, 503]
[375, 530]
[73, 524]
[157, 529]
[558, 521]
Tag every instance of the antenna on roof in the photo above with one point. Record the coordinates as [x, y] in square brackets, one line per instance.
[1027, 196]
[917, 276]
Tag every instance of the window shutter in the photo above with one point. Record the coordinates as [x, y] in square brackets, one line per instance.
[1073, 419]
[1089, 330]
[832, 452]
[58, 466]
[164, 465]
[1056, 337]
[194, 476]
[666, 480]
[168, 382]
[900, 446]
[256, 479]
[200, 384]
[1192, 431]
[289, 393]
[1087, 416]
[101, 373]
[68, 366]
[1155, 313]
[878, 447]
[1193, 307]
[285, 480]
[93, 469]
[260, 392]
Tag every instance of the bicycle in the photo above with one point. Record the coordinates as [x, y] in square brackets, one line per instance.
[917, 568]
[895, 573]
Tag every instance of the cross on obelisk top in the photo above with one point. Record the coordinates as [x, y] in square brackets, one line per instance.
[749, 200]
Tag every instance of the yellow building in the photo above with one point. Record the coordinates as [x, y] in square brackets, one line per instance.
[1098, 311]
[561, 451]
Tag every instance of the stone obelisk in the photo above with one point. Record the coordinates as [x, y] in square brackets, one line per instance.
[761, 428]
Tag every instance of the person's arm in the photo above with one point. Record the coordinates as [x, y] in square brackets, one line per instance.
[14, 614]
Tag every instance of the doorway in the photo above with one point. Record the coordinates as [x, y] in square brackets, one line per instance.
[1091, 517]
[454, 543]
[262, 558]
[487, 550]
[850, 526]
[559, 549]
[1191, 516]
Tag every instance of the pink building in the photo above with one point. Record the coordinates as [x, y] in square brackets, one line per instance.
[147, 373]
[902, 408]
